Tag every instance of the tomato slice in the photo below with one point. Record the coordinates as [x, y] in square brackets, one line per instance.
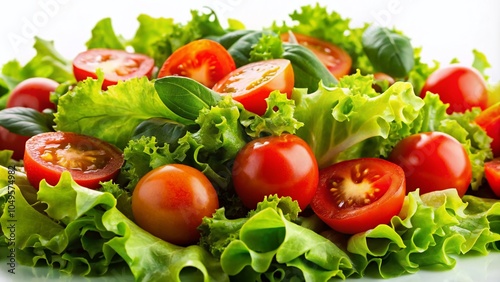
[88, 159]
[492, 175]
[116, 64]
[203, 60]
[357, 195]
[336, 60]
[251, 84]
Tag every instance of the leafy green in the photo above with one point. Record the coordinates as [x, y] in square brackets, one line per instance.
[389, 52]
[115, 113]
[103, 36]
[25, 121]
[347, 116]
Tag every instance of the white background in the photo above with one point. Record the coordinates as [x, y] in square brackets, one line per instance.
[446, 29]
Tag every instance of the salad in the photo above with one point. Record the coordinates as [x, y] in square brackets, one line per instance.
[283, 162]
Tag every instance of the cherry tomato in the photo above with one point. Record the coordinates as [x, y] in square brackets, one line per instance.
[203, 60]
[489, 120]
[33, 93]
[13, 142]
[171, 201]
[433, 161]
[88, 159]
[336, 60]
[116, 65]
[492, 175]
[459, 86]
[357, 195]
[251, 84]
[284, 165]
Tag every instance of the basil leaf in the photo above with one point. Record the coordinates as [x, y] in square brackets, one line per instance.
[25, 121]
[388, 51]
[240, 48]
[165, 131]
[185, 96]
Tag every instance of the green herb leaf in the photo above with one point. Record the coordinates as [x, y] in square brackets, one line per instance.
[25, 121]
[389, 52]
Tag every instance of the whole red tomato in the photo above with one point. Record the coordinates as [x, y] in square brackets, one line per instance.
[433, 161]
[171, 201]
[284, 165]
[461, 87]
[33, 93]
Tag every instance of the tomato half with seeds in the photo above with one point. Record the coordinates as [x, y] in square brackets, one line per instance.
[117, 65]
[489, 120]
[88, 159]
[336, 60]
[357, 195]
[251, 84]
[492, 175]
[203, 60]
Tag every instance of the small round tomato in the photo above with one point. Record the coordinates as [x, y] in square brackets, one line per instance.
[336, 60]
[492, 175]
[357, 195]
[284, 165]
[433, 161]
[203, 60]
[116, 65]
[33, 93]
[88, 159]
[171, 201]
[459, 86]
[12, 141]
[489, 120]
[251, 84]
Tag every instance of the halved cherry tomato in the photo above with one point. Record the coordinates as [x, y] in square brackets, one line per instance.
[284, 165]
[88, 159]
[337, 61]
[33, 93]
[433, 161]
[170, 202]
[492, 175]
[461, 87]
[203, 60]
[357, 195]
[116, 64]
[251, 84]
[489, 120]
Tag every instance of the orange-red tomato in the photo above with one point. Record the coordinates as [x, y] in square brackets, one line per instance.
[489, 120]
[170, 202]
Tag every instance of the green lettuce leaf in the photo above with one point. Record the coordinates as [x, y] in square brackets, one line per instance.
[104, 36]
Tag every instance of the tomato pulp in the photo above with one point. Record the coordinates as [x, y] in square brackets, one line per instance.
[489, 120]
[251, 84]
[88, 159]
[357, 195]
[116, 65]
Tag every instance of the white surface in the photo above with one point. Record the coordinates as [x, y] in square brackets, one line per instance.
[446, 30]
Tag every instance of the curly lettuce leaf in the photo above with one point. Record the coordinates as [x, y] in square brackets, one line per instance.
[104, 36]
[339, 121]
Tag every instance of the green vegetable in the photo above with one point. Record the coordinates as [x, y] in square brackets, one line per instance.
[164, 130]
[389, 51]
[26, 121]
[103, 36]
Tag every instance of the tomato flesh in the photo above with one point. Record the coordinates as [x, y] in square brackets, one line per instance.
[251, 84]
[282, 165]
[203, 60]
[489, 120]
[492, 175]
[336, 60]
[357, 195]
[116, 65]
[171, 201]
[88, 159]
[433, 161]
[462, 87]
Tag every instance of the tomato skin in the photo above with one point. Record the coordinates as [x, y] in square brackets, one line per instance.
[171, 201]
[336, 60]
[251, 84]
[284, 165]
[489, 120]
[340, 199]
[433, 161]
[116, 64]
[33, 93]
[462, 87]
[12, 141]
[39, 164]
[203, 60]
[492, 175]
